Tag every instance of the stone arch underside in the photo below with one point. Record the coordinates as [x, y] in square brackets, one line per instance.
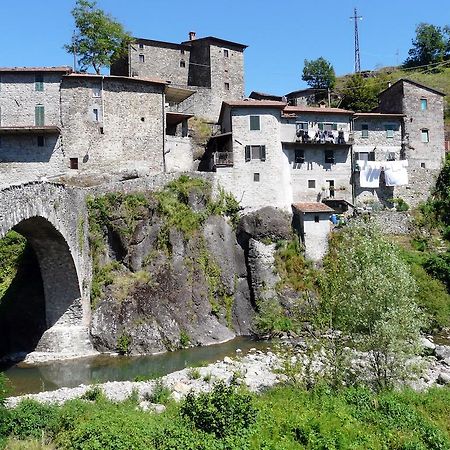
[66, 332]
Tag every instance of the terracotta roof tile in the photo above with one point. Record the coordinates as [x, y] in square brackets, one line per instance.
[311, 207]
[64, 69]
[315, 109]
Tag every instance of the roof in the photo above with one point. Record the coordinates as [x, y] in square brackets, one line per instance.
[255, 104]
[177, 94]
[25, 129]
[312, 207]
[406, 80]
[174, 118]
[264, 96]
[57, 69]
[378, 114]
[315, 109]
[304, 91]
[216, 40]
[155, 43]
[117, 77]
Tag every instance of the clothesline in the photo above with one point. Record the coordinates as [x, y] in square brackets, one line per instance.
[395, 173]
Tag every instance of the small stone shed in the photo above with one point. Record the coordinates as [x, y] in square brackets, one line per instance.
[312, 223]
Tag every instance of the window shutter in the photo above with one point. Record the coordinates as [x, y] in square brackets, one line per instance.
[247, 153]
[335, 126]
[263, 152]
[371, 156]
[320, 126]
[39, 115]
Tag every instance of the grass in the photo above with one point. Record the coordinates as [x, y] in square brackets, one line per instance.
[287, 417]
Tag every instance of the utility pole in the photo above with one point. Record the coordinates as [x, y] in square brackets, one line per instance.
[355, 17]
[74, 52]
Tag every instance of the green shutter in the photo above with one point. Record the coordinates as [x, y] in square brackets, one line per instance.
[320, 124]
[247, 153]
[335, 126]
[39, 82]
[263, 153]
[39, 116]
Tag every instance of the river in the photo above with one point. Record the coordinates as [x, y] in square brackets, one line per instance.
[27, 379]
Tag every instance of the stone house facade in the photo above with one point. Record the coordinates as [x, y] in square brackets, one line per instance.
[212, 67]
[55, 122]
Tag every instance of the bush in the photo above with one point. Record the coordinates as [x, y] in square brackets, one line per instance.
[223, 411]
[123, 343]
[271, 318]
[93, 394]
[160, 393]
[29, 419]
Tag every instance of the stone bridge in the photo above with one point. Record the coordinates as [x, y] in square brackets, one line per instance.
[53, 219]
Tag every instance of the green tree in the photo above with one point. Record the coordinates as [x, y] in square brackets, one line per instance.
[368, 296]
[319, 74]
[99, 39]
[429, 46]
[358, 94]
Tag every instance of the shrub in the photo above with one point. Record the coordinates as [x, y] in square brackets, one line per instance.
[93, 394]
[271, 318]
[400, 204]
[223, 411]
[194, 373]
[29, 419]
[160, 393]
[123, 343]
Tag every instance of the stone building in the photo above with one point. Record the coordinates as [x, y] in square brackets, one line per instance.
[30, 122]
[54, 122]
[212, 67]
[270, 153]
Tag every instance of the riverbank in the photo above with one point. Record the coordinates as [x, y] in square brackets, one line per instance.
[257, 370]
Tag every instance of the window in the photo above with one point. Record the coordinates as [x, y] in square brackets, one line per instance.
[96, 92]
[389, 128]
[299, 156]
[39, 82]
[141, 58]
[311, 184]
[316, 219]
[74, 163]
[365, 156]
[255, 123]
[225, 53]
[141, 46]
[301, 126]
[39, 116]
[182, 63]
[40, 141]
[329, 157]
[364, 130]
[423, 104]
[256, 177]
[330, 187]
[424, 135]
[95, 113]
[422, 165]
[327, 126]
[227, 86]
[182, 51]
[255, 152]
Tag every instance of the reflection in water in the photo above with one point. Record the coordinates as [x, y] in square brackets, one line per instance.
[98, 369]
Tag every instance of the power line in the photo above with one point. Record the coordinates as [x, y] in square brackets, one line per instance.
[355, 17]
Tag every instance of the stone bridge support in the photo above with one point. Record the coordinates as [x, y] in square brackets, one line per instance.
[53, 218]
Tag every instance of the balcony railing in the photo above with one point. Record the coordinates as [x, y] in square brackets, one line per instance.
[223, 159]
[324, 137]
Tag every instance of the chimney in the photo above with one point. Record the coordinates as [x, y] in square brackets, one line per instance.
[192, 35]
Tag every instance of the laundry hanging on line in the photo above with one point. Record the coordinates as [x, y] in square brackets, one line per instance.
[395, 173]
[369, 175]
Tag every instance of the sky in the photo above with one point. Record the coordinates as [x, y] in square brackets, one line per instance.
[280, 34]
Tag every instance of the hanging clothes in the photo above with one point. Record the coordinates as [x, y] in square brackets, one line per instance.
[395, 173]
[369, 175]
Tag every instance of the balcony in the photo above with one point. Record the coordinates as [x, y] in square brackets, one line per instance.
[44, 129]
[223, 159]
[326, 137]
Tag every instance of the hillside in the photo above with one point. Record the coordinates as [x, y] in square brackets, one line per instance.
[439, 80]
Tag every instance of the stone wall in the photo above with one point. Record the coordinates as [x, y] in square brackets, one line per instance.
[178, 154]
[129, 132]
[392, 222]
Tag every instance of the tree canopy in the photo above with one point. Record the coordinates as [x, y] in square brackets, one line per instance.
[99, 39]
[319, 74]
[431, 45]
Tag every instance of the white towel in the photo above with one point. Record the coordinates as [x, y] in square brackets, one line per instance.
[369, 176]
[395, 173]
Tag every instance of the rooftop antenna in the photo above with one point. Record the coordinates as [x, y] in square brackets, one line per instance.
[74, 47]
[355, 17]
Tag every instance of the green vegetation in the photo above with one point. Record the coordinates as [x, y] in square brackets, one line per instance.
[123, 343]
[400, 204]
[286, 417]
[160, 394]
[100, 40]
[319, 73]
[12, 247]
[184, 339]
[194, 373]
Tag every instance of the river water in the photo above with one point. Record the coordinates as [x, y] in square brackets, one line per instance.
[27, 379]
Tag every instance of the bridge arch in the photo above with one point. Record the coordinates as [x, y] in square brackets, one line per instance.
[52, 219]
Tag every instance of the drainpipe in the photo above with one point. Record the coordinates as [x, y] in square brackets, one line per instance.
[164, 128]
[103, 103]
[352, 162]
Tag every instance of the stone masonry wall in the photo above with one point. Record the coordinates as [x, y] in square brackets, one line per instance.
[129, 132]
